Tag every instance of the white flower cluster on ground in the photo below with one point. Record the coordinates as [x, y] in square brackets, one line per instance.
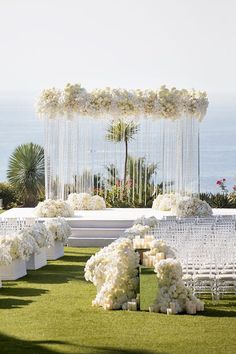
[163, 103]
[159, 246]
[151, 222]
[171, 288]
[113, 270]
[141, 227]
[53, 208]
[137, 230]
[59, 229]
[84, 201]
[182, 206]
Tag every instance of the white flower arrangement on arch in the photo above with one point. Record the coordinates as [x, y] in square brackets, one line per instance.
[50, 208]
[163, 103]
[84, 201]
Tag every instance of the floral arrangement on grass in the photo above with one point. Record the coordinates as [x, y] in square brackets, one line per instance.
[172, 292]
[19, 245]
[137, 230]
[191, 207]
[151, 222]
[40, 234]
[53, 208]
[160, 246]
[59, 228]
[84, 201]
[163, 103]
[113, 270]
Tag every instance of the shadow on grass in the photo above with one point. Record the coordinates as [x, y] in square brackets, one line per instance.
[217, 313]
[110, 350]
[21, 292]
[55, 274]
[15, 345]
[13, 304]
[75, 258]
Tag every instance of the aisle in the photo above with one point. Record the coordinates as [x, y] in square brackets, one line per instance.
[49, 311]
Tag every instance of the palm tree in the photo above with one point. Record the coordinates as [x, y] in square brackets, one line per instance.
[26, 172]
[119, 131]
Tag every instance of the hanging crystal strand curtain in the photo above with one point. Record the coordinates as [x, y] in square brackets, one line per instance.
[180, 156]
[78, 149]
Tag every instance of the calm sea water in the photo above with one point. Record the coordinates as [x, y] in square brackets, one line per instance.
[19, 124]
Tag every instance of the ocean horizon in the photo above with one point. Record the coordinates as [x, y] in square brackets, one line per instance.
[20, 124]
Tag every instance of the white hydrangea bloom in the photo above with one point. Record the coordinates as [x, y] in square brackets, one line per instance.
[52, 208]
[113, 271]
[97, 203]
[59, 228]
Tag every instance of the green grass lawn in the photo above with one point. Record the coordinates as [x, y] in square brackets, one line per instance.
[49, 311]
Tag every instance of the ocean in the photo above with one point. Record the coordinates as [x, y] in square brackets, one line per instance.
[19, 124]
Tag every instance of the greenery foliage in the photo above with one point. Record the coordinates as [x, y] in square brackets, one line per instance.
[220, 200]
[26, 172]
[10, 197]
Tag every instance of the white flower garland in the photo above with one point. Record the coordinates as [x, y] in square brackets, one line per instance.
[113, 271]
[84, 201]
[52, 208]
[59, 228]
[164, 103]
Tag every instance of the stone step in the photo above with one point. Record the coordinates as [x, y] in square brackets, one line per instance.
[89, 242]
[97, 232]
[109, 224]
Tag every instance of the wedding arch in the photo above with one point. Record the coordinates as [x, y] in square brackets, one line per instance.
[121, 140]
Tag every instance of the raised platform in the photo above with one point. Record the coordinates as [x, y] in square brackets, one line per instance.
[98, 228]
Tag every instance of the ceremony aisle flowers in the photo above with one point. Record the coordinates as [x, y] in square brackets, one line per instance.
[84, 201]
[41, 235]
[59, 229]
[113, 270]
[137, 230]
[19, 245]
[173, 296]
[53, 208]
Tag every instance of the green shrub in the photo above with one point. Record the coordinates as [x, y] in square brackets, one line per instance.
[219, 200]
[9, 196]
